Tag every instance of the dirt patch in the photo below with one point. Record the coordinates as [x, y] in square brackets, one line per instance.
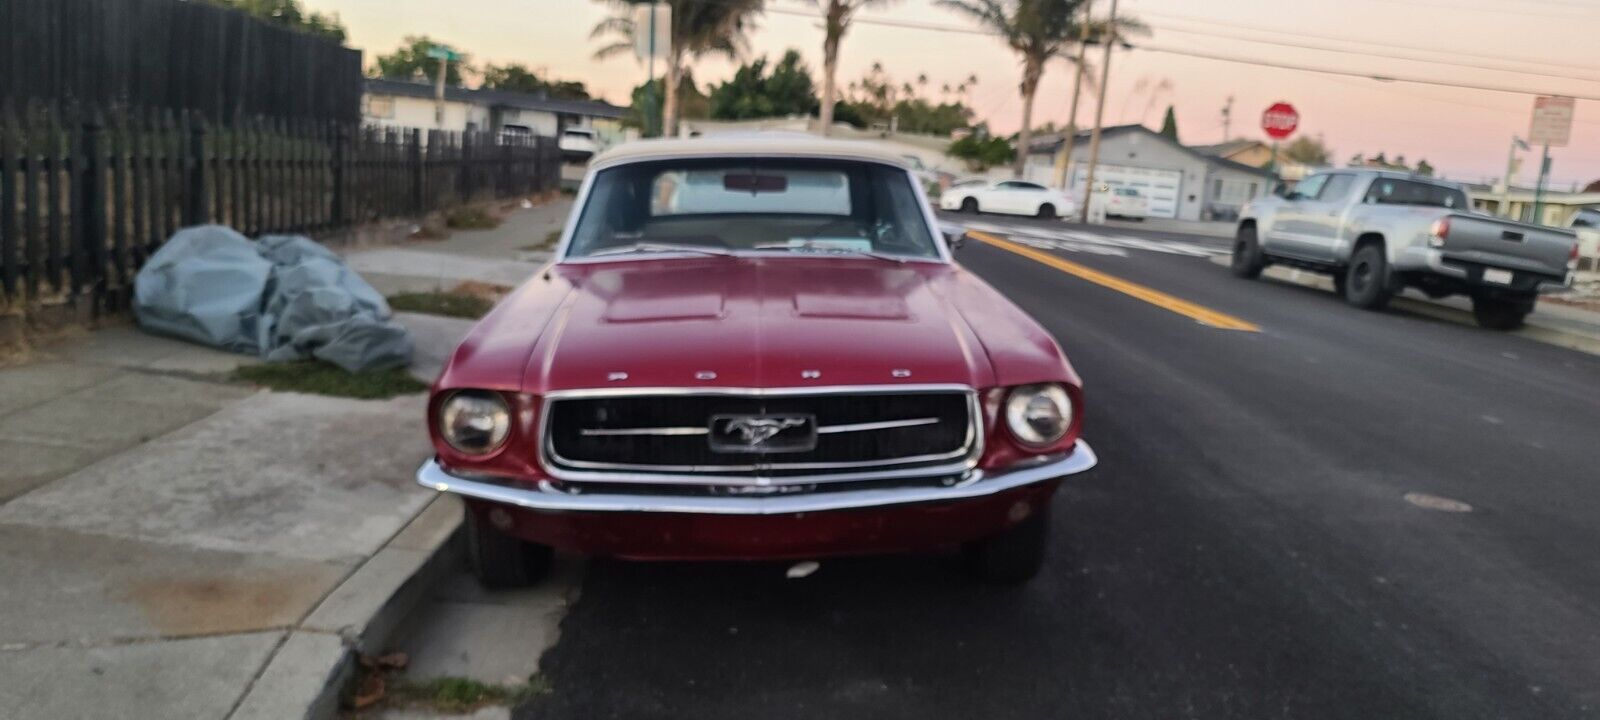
[203, 605]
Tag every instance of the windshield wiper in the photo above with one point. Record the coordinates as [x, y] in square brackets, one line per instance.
[660, 247]
[823, 247]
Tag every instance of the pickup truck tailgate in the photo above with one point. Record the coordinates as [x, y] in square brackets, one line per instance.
[1494, 242]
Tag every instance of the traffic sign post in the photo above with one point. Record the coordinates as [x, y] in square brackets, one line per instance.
[1552, 125]
[1279, 122]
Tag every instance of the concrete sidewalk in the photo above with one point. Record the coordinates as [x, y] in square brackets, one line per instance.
[181, 545]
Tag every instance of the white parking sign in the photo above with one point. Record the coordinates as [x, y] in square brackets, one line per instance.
[1552, 121]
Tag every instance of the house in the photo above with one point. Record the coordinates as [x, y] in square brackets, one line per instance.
[1555, 208]
[1178, 181]
[401, 103]
[1240, 150]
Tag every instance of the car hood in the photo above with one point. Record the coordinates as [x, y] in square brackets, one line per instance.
[754, 323]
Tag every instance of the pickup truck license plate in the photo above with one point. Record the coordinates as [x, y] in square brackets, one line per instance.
[1498, 277]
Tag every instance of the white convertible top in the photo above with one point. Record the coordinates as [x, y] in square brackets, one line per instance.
[751, 144]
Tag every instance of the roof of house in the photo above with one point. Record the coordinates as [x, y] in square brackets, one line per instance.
[751, 144]
[1052, 142]
[502, 98]
[1224, 149]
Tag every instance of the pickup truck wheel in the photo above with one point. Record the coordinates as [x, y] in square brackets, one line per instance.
[1247, 259]
[970, 206]
[1500, 313]
[1366, 281]
[1047, 212]
[502, 562]
[1015, 555]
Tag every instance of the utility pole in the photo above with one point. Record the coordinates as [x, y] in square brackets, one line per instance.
[1099, 114]
[444, 55]
[650, 87]
[1064, 157]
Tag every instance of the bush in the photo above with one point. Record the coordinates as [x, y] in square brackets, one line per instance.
[982, 153]
[471, 218]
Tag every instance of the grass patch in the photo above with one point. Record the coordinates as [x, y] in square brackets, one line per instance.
[471, 218]
[441, 303]
[431, 230]
[320, 378]
[453, 694]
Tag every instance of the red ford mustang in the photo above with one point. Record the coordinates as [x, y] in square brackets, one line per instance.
[754, 348]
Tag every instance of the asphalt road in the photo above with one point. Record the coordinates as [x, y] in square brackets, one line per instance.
[1245, 549]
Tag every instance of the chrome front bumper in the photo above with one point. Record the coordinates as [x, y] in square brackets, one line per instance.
[976, 483]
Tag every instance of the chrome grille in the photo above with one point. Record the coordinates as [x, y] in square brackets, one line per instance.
[807, 435]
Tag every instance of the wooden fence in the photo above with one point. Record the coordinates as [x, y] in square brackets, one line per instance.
[86, 197]
[180, 54]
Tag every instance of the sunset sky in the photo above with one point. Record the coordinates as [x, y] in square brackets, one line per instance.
[1465, 133]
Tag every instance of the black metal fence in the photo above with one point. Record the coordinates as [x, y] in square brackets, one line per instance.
[86, 197]
[189, 56]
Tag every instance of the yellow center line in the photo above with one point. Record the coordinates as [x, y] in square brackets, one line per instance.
[1199, 313]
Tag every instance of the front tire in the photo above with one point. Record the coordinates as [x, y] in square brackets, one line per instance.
[1500, 313]
[1366, 280]
[1247, 258]
[502, 562]
[969, 206]
[1015, 555]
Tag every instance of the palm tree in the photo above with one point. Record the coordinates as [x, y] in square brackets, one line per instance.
[699, 28]
[836, 17]
[1037, 30]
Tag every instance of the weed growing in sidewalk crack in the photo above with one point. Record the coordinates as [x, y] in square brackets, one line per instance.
[320, 378]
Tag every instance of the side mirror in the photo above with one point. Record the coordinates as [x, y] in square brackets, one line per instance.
[954, 235]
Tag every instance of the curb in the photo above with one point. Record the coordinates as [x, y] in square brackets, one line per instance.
[308, 672]
[1532, 330]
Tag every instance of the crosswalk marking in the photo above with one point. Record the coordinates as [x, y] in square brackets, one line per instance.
[1094, 243]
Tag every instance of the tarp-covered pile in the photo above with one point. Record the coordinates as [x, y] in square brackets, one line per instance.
[282, 298]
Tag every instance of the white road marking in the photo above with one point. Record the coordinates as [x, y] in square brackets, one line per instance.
[1094, 243]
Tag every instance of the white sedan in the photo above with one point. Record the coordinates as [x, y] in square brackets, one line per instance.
[1122, 202]
[1012, 197]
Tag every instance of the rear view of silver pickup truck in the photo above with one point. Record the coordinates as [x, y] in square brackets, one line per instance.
[1378, 232]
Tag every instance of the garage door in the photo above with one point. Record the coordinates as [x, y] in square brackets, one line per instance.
[1160, 187]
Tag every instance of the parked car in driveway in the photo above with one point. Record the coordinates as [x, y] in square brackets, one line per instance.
[578, 144]
[1377, 232]
[1123, 202]
[754, 348]
[1011, 197]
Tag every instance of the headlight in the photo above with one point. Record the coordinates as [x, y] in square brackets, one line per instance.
[1038, 415]
[474, 422]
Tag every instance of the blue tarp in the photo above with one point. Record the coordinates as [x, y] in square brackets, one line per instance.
[284, 297]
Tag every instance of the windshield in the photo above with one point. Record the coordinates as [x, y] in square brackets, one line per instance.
[768, 205]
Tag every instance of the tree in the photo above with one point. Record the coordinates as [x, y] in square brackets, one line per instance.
[752, 93]
[981, 151]
[517, 78]
[1424, 168]
[878, 98]
[411, 60]
[1037, 31]
[836, 15]
[289, 14]
[1308, 150]
[692, 103]
[1169, 125]
[699, 28]
[1593, 187]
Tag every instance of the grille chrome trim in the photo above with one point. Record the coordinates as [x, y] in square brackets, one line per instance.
[869, 426]
[962, 459]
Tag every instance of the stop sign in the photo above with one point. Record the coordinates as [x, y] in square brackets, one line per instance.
[1280, 120]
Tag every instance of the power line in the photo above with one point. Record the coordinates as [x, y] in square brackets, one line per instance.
[1385, 46]
[1353, 73]
[1326, 48]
